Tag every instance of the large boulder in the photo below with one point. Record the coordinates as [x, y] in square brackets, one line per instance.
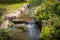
[5, 24]
[20, 26]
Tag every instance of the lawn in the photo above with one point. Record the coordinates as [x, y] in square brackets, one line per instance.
[12, 7]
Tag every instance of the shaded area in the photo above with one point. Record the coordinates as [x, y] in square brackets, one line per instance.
[2, 11]
[11, 1]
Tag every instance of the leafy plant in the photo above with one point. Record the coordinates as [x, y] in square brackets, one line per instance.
[34, 3]
[1, 21]
[47, 33]
[57, 35]
[49, 10]
[5, 34]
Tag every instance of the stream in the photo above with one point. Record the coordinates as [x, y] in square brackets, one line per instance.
[32, 32]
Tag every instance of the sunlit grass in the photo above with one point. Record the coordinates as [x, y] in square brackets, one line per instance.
[12, 7]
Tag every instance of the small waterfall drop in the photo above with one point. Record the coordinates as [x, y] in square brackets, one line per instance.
[32, 32]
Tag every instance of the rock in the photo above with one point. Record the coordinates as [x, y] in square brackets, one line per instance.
[5, 24]
[14, 17]
[44, 23]
[26, 6]
[22, 20]
[21, 26]
[17, 21]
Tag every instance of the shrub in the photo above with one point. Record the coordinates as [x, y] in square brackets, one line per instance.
[49, 10]
[57, 35]
[5, 34]
[34, 3]
[1, 21]
[41, 15]
[47, 33]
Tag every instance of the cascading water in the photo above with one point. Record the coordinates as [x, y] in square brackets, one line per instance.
[32, 32]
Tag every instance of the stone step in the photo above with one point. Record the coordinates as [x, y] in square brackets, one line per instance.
[22, 20]
[20, 26]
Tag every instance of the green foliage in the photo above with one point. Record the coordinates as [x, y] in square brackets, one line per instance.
[41, 14]
[56, 22]
[47, 33]
[57, 35]
[1, 21]
[50, 33]
[49, 10]
[5, 34]
[11, 1]
[34, 3]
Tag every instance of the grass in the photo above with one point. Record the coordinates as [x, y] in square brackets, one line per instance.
[12, 7]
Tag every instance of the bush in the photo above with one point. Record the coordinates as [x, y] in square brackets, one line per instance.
[5, 34]
[41, 15]
[47, 33]
[34, 3]
[1, 21]
[49, 10]
[57, 35]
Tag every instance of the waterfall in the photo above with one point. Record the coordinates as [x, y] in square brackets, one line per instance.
[32, 32]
